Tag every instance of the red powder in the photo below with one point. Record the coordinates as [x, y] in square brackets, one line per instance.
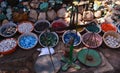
[108, 27]
[58, 24]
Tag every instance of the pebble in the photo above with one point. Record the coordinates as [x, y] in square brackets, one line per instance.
[33, 15]
[51, 15]
[3, 4]
[18, 17]
[112, 41]
[88, 15]
[7, 45]
[27, 42]
[43, 6]
[42, 16]
[34, 4]
[25, 27]
[98, 14]
[5, 21]
[61, 12]
[2, 16]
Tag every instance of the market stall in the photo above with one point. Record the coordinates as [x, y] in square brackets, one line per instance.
[50, 36]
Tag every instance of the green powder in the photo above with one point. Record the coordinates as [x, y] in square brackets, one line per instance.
[93, 28]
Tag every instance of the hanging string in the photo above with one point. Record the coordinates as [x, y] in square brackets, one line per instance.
[49, 51]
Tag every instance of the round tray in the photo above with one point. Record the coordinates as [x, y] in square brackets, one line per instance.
[43, 64]
[89, 57]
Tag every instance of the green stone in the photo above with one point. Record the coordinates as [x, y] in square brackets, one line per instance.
[43, 6]
[2, 17]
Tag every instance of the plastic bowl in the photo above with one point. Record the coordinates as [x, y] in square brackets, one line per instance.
[68, 35]
[115, 35]
[46, 39]
[5, 51]
[5, 32]
[91, 40]
[41, 27]
[27, 40]
[25, 27]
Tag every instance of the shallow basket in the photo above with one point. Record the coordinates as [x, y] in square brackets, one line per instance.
[39, 21]
[28, 34]
[114, 34]
[52, 33]
[8, 25]
[26, 23]
[90, 43]
[78, 34]
[11, 50]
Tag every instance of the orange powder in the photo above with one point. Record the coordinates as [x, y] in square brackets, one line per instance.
[108, 27]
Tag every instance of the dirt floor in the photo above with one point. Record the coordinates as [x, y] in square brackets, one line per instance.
[22, 61]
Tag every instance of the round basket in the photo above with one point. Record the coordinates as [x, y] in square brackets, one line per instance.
[46, 39]
[10, 48]
[41, 25]
[68, 35]
[8, 30]
[27, 41]
[25, 27]
[91, 40]
[108, 41]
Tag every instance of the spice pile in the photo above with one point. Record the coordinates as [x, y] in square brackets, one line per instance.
[108, 27]
[112, 41]
[93, 28]
[7, 45]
